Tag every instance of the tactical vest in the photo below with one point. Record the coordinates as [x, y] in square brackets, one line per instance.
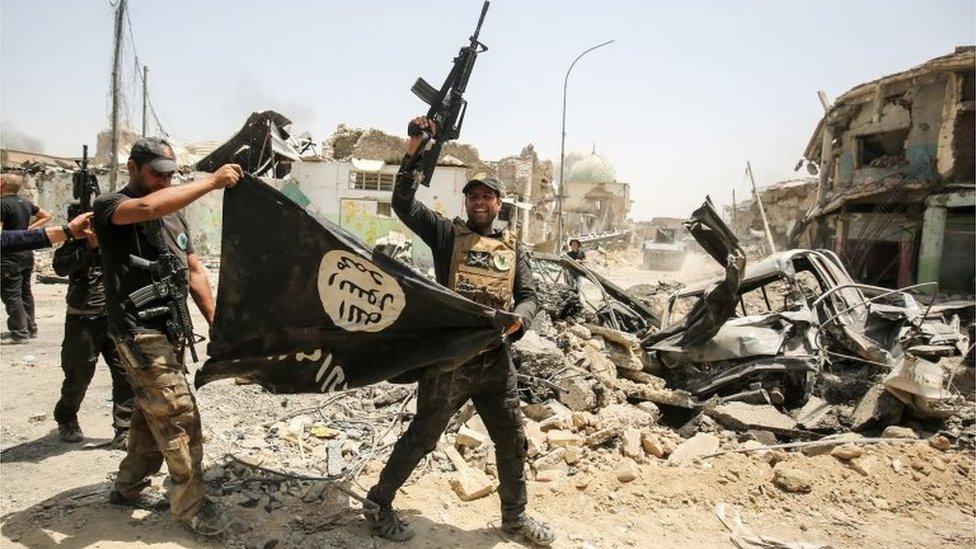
[483, 268]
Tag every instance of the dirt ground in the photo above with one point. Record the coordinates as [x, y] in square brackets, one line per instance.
[53, 494]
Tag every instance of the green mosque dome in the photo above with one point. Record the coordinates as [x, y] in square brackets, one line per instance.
[591, 168]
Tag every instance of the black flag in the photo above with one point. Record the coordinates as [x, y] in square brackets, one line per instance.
[304, 306]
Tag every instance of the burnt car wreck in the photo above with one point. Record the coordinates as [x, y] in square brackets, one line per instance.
[795, 331]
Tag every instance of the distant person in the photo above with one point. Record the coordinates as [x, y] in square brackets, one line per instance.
[17, 213]
[85, 338]
[575, 251]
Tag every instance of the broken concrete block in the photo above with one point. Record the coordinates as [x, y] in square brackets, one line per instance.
[641, 391]
[336, 463]
[603, 436]
[896, 431]
[847, 452]
[470, 438]
[471, 484]
[624, 416]
[599, 365]
[558, 437]
[940, 442]
[555, 459]
[545, 410]
[537, 356]
[741, 416]
[626, 470]
[572, 455]
[596, 343]
[865, 465]
[579, 331]
[842, 438]
[812, 413]
[550, 475]
[624, 339]
[642, 377]
[563, 422]
[695, 447]
[477, 424]
[791, 479]
[877, 407]
[631, 446]
[761, 436]
[651, 409]
[754, 445]
[453, 456]
[653, 445]
[535, 438]
[576, 394]
[582, 419]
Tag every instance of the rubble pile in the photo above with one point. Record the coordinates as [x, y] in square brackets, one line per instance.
[334, 440]
[371, 144]
[559, 300]
[656, 295]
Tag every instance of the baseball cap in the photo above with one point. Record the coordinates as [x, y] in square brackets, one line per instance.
[156, 151]
[489, 182]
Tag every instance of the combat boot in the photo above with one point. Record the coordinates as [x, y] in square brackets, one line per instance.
[121, 440]
[210, 521]
[70, 432]
[386, 524]
[533, 530]
[147, 500]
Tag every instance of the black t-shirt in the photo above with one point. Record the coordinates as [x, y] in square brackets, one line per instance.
[83, 267]
[578, 255]
[117, 243]
[15, 214]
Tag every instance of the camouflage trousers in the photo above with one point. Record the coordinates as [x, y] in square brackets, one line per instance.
[165, 424]
[490, 382]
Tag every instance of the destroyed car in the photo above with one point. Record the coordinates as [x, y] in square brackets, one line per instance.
[568, 288]
[798, 323]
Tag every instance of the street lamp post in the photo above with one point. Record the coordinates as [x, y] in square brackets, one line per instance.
[562, 150]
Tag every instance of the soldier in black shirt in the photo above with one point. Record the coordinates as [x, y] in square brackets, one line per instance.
[142, 224]
[489, 267]
[16, 268]
[85, 337]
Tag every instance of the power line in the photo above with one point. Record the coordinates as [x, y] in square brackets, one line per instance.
[138, 72]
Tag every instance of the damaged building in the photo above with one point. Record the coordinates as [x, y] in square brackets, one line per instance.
[351, 181]
[781, 202]
[895, 159]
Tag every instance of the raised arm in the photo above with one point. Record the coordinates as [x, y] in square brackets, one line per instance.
[170, 199]
[430, 226]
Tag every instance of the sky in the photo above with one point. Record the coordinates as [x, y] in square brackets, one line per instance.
[687, 93]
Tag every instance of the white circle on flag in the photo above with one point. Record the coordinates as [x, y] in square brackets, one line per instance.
[356, 294]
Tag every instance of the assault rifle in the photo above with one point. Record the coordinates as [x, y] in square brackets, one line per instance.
[170, 287]
[447, 105]
[84, 186]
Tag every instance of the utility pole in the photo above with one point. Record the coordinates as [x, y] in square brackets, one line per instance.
[733, 211]
[562, 152]
[116, 58]
[762, 211]
[145, 95]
